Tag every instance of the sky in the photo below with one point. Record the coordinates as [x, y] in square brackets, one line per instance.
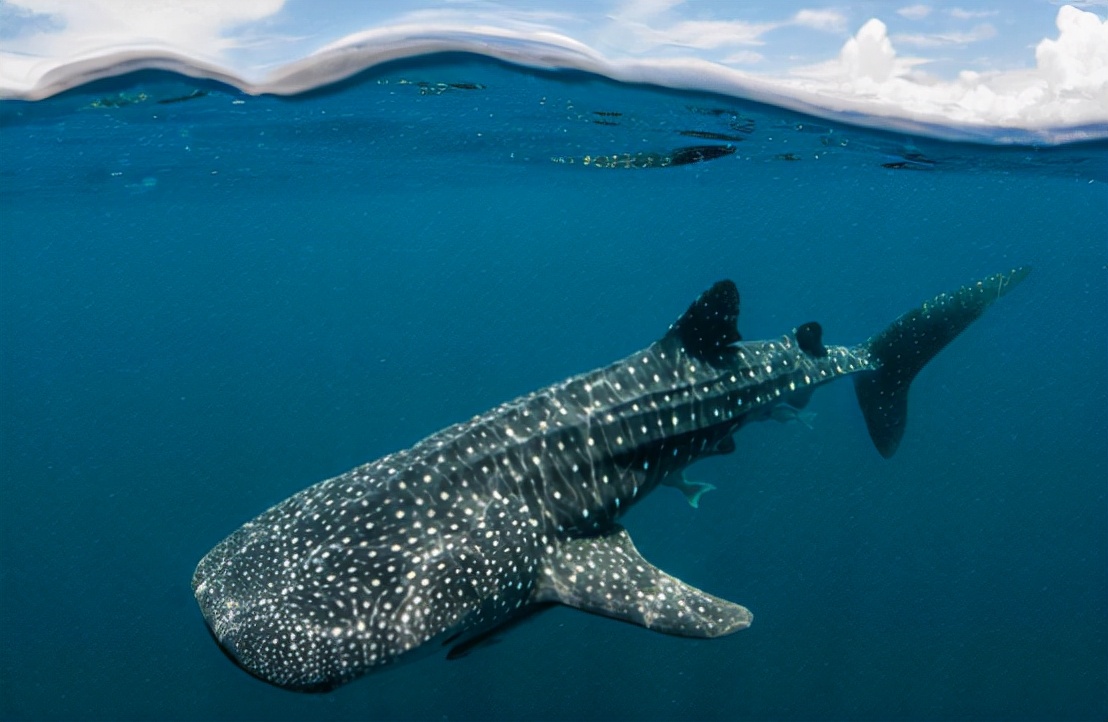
[993, 63]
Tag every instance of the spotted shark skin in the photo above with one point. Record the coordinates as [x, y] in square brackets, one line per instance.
[518, 508]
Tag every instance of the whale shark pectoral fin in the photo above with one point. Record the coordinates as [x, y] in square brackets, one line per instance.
[606, 575]
[692, 490]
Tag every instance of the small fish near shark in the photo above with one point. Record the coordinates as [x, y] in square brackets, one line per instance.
[487, 521]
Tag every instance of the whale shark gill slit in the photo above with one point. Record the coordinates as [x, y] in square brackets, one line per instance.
[479, 526]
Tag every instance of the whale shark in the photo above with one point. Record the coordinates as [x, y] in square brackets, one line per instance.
[482, 524]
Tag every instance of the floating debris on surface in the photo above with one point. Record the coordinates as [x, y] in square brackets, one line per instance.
[119, 100]
[440, 88]
[911, 161]
[736, 121]
[428, 88]
[713, 131]
[675, 157]
[700, 153]
[741, 124]
[709, 135]
[717, 112]
[125, 99]
[182, 98]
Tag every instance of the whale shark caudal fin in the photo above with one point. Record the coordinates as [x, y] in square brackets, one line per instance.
[606, 575]
[906, 346]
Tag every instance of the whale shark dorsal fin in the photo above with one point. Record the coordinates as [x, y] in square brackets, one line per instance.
[711, 323]
[606, 575]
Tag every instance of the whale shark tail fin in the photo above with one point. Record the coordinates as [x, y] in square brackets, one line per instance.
[905, 347]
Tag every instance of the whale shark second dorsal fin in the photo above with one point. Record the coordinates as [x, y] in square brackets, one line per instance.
[810, 339]
[710, 326]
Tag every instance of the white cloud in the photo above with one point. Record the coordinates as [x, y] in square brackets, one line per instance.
[868, 57]
[197, 35]
[641, 32]
[643, 38]
[744, 57]
[1069, 85]
[1077, 62]
[914, 12]
[829, 20]
[960, 14]
[869, 54]
[715, 33]
[1082, 3]
[981, 32]
[195, 26]
[641, 9]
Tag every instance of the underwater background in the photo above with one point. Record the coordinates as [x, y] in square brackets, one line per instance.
[210, 300]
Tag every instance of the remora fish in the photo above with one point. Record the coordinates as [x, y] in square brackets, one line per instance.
[478, 525]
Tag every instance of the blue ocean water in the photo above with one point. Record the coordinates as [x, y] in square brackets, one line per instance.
[209, 301]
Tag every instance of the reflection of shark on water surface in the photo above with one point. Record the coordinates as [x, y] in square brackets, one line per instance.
[486, 521]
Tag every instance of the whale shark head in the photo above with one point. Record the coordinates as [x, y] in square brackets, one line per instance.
[358, 570]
